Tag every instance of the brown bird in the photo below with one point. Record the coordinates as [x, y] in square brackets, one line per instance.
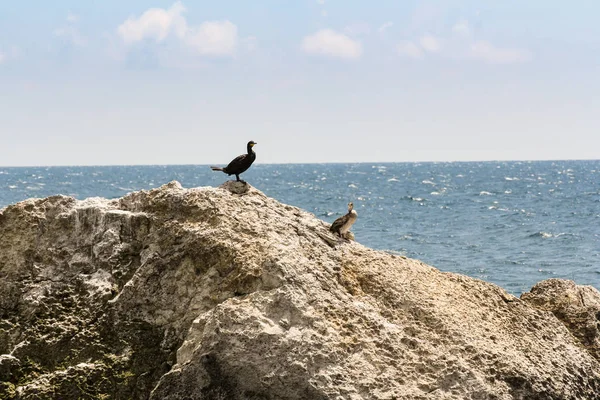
[342, 225]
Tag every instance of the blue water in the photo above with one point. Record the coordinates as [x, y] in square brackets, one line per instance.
[511, 223]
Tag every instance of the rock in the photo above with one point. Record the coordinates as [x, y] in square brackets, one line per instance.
[203, 293]
[236, 187]
[7, 364]
[578, 307]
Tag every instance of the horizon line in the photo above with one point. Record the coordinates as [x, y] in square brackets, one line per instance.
[300, 163]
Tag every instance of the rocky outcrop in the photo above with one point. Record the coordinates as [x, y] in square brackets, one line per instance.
[578, 307]
[207, 294]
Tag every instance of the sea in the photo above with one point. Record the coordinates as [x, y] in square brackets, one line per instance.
[510, 223]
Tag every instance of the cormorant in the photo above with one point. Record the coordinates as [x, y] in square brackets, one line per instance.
[240, 163]
[342, 225]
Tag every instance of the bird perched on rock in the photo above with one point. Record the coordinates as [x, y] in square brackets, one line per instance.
[240, 163]
[342, 225]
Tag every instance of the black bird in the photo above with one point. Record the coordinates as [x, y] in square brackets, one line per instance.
[240, 163]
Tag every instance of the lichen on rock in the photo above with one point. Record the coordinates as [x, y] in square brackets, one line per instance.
[213, 293]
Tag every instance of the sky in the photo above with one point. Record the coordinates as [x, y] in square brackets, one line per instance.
[191, 82]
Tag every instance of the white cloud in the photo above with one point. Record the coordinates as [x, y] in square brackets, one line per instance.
[323, 12]
[70, 32]
[210, 38]
[459, 44]
[72, 18]
[430, 43]
[385, 26]
[213, 38]
[155, 23]
[462, 28]
[487, 52]
[481, 50]
[9, 54]
[331, 43]
[409, 49]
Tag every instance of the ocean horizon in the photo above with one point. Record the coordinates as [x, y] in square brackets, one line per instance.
[257, 162]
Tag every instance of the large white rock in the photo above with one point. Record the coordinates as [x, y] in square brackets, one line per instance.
[203, 293]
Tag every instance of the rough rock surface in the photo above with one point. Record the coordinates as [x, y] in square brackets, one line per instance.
[204, 294]
[578, 307]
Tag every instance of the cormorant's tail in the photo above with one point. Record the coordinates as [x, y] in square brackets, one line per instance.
[216, 168]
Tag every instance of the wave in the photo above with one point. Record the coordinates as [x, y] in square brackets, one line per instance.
[548, 235]
[546, 272]
[544, 235]
[484, 193]
[498, 208]
[411, 198]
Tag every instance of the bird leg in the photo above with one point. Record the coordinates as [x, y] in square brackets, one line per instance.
[345, 236]
[239, 180]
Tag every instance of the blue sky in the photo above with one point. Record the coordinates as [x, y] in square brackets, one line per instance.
[190, 82]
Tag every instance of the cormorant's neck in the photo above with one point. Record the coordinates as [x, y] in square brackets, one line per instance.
[250, 151]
